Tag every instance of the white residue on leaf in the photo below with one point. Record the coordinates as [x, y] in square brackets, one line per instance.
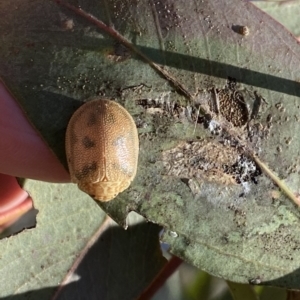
[246, 187]
[214, 127]
[173, 234]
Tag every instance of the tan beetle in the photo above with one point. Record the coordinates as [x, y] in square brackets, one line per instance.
[102, 148]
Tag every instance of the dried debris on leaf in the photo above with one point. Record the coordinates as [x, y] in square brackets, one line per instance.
[209, 160]
[220, 159]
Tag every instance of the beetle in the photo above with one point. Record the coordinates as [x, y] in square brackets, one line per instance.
[102, 148]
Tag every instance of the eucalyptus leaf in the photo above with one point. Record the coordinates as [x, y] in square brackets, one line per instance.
[39, 258]
[284, 12]
[75, 252]
[207, 99]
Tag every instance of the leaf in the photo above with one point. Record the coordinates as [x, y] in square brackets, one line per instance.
[242, 291]
[39, 258]
[73, 237]
[166, 63]
[120, 265]
[285, 12]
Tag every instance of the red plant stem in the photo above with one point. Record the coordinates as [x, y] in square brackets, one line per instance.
[161, 278]
[293, 295]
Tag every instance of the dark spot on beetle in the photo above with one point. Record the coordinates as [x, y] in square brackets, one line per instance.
[92, 120]
[86, 170]
[88, 143]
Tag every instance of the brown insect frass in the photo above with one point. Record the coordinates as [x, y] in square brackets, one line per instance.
[102, 149]
[244, 30]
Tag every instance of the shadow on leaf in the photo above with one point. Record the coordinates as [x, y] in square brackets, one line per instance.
[120, 265]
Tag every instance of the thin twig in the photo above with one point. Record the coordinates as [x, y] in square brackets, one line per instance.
[277, 180]
[115, 34]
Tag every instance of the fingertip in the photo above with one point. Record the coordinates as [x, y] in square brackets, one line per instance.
[23, 153]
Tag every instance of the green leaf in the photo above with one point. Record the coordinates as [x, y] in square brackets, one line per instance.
[242, 291]
[165, 62]
[77, 250]
[39, 258]
[120, 265]
[285, 12]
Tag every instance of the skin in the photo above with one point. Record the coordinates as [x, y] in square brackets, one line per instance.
[22, 151]
[24, 154]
